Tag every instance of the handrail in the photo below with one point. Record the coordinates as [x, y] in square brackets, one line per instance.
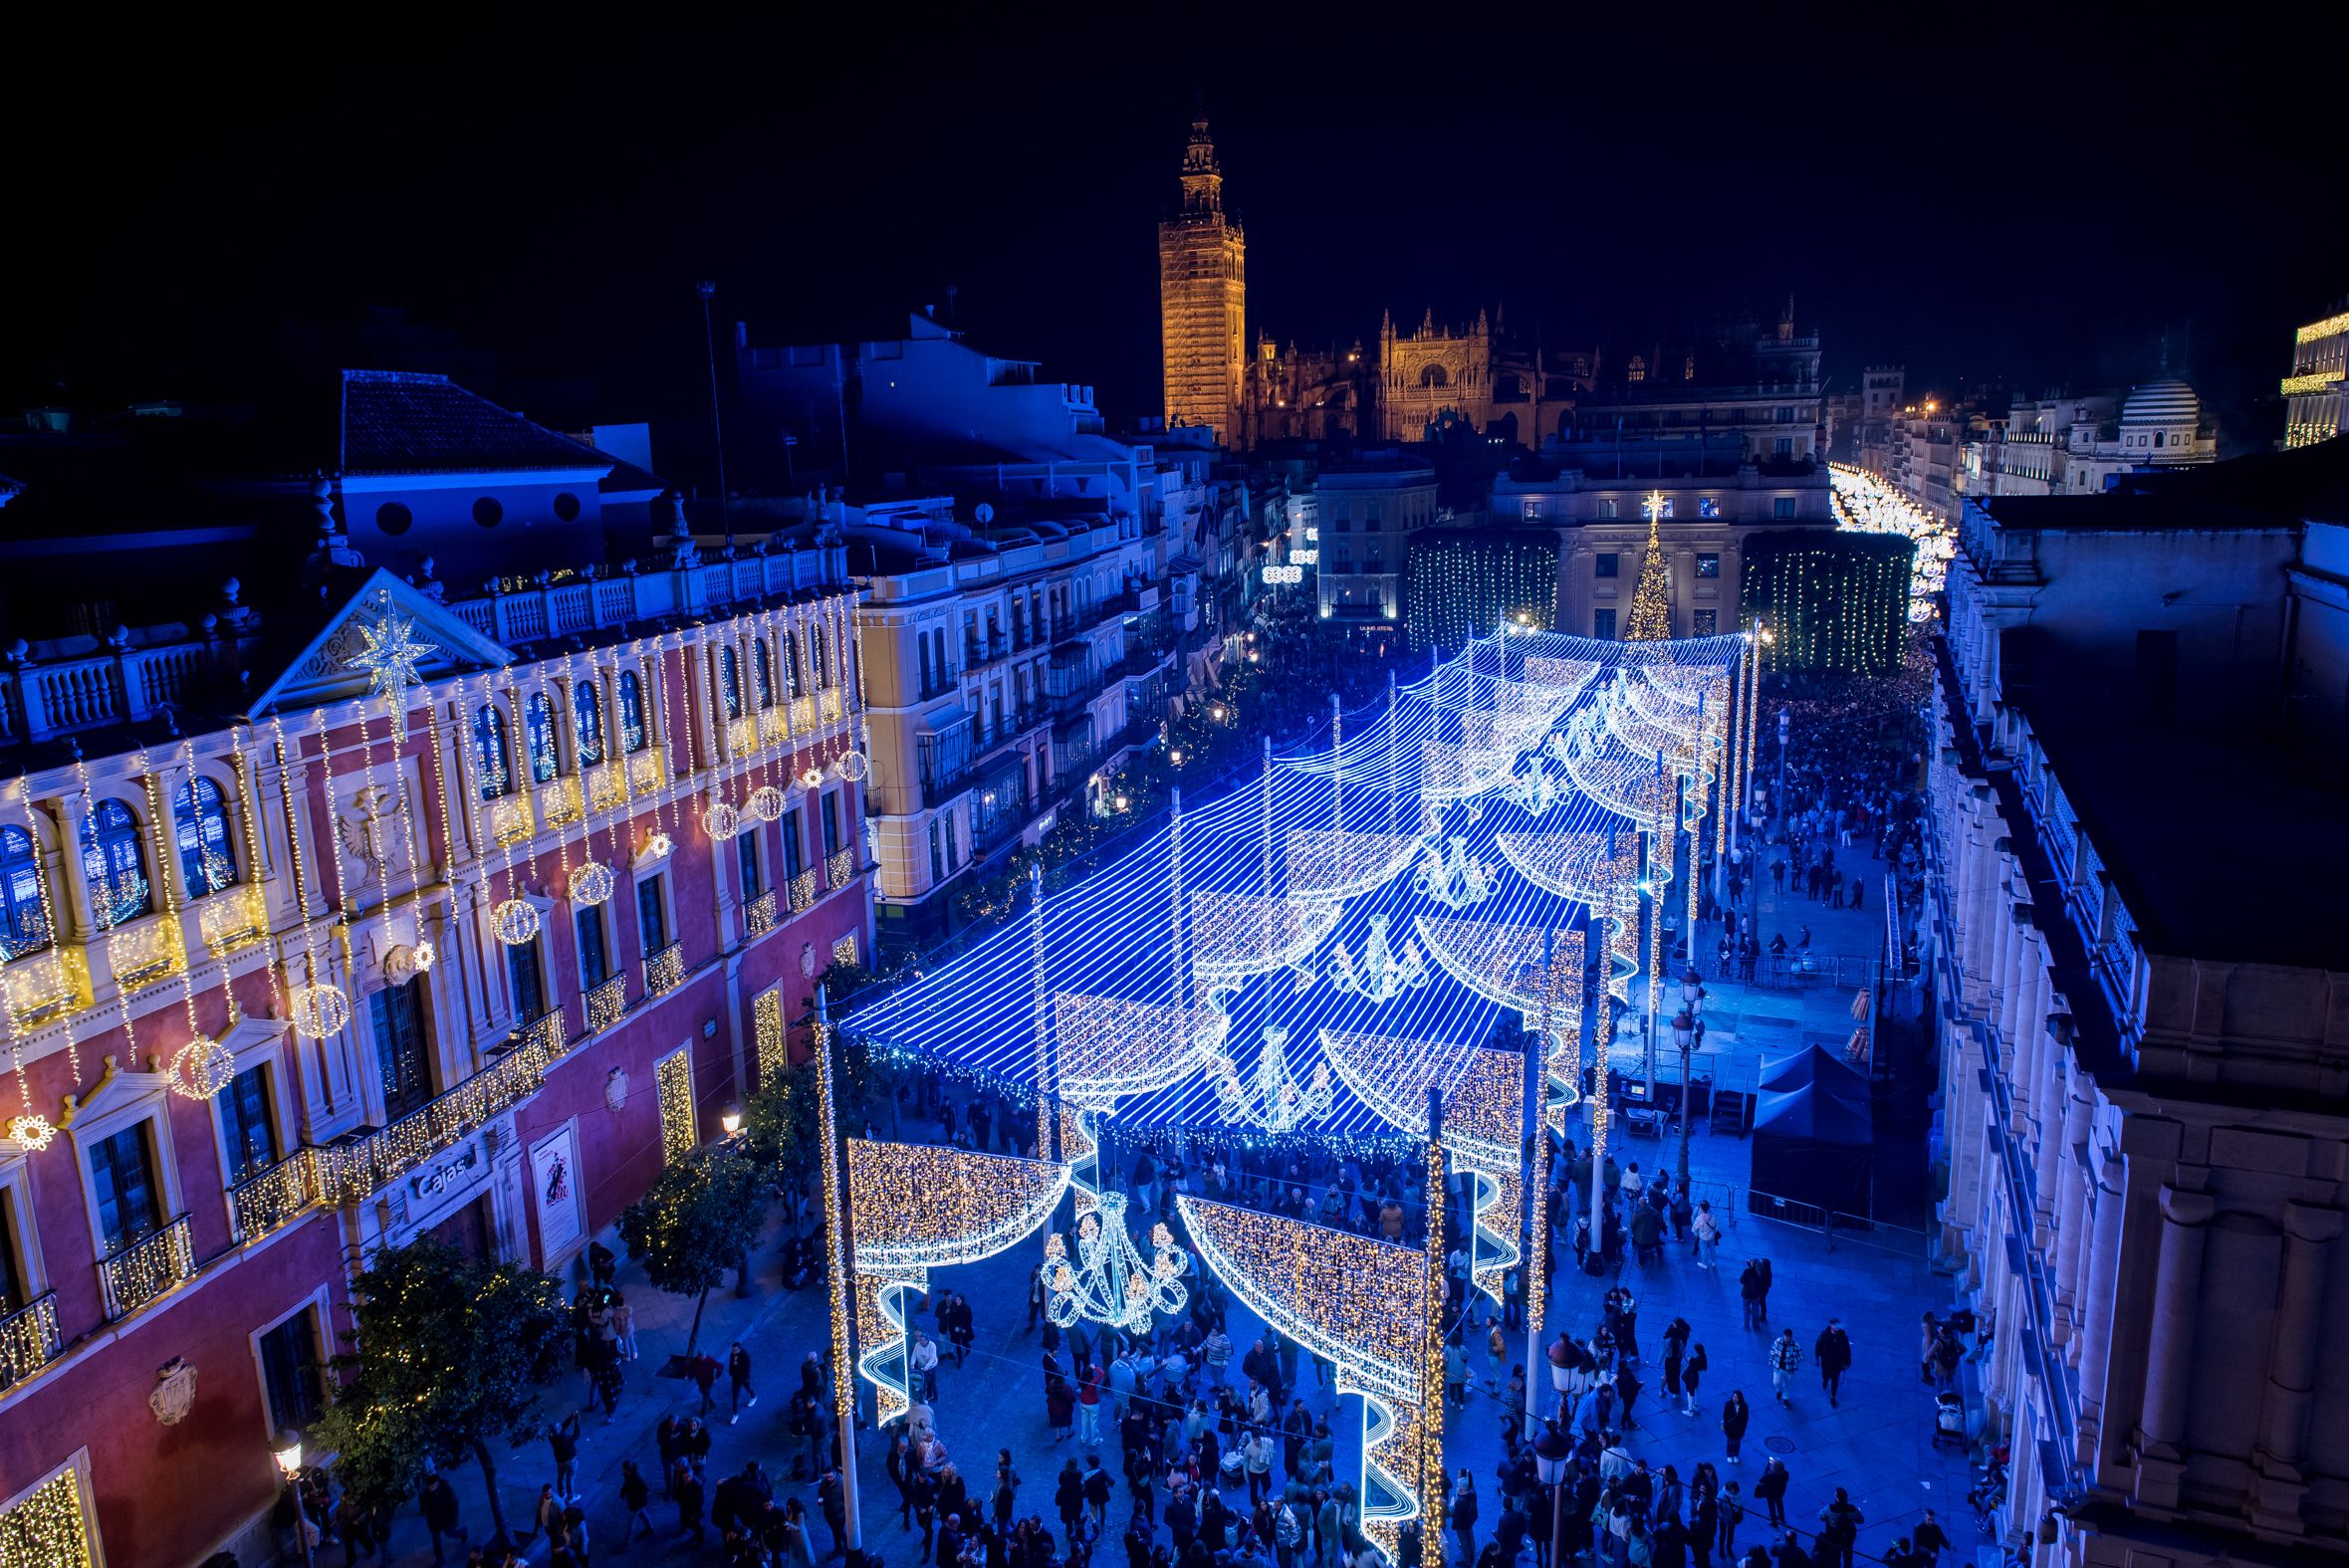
[607, 1001]
[759, 915]
[350, 1171]
[150, 1266]
[271, 1198]
[664, 969]
[29, 1339]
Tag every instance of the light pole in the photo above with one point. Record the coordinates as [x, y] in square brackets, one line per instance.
[289, 1463]
[1551, 1453]
[1684, 1036]
[1786, 726]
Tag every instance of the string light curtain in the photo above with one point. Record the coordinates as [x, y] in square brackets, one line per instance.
[1834, 601]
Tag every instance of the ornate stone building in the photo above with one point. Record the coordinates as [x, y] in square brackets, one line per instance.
[2143, 1115]
[1436, 374]
[1316, 394]
[1202, 298]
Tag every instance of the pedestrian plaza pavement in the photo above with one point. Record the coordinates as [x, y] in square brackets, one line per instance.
[1878, 1444]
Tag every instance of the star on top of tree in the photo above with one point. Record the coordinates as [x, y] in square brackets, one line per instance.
[390, 653]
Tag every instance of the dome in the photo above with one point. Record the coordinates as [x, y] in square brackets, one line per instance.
[2168, 401]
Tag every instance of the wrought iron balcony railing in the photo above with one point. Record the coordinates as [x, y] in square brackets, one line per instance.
[664, 970]
[269, 1200]
[840, 869]
[607, 1001]
[759, 914]
[28, 1339]
[351, 1170]
[146, 1268]
[804, 890]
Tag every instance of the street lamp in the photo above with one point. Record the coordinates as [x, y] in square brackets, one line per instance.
[1551, 1453]
[1786, 726]
[731, 1119]
[289, 1463]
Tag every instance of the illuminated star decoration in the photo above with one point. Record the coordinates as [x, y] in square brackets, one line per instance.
[390, 654]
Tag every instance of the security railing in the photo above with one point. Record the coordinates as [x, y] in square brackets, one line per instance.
[28, 1339]
[607, 1001]
[664, 970]
[758, 916]
[545, 1032]
[840, 869]
[146, 1268]
[267, 1201]
[350, 1170]
[804, 890]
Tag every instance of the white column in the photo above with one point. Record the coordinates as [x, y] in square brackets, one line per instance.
[2177, 1311]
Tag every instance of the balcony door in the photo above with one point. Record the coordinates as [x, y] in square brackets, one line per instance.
[123, 1180]
[403, 1049]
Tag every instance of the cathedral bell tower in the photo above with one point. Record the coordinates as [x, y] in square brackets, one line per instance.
[1203, 298]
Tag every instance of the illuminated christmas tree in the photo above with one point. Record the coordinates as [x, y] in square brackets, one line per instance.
[1651, 602]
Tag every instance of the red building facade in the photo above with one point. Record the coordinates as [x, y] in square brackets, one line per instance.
[465, 924]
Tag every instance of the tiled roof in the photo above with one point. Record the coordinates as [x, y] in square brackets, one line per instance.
[409, 422]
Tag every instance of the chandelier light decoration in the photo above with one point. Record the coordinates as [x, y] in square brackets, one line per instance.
[1109, 1282]
[1383, 973]
[1454, 878]
[1273, 1098]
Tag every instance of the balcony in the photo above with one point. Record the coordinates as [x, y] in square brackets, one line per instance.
[146, 1268]
[839, 868]
[802, 890]
[605, 1002]
[607, 787]
[759, 915]
[41, 985]
[559, 800]
[351, 1170]
[510, 819]
[977, 652]
[664, 970]
[647, 771]
[273, 1198]
[28, 1339]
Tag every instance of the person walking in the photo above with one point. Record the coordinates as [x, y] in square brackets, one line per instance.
[1732, 1514]
[1734, 1413]
[565, 1440]
[1770, 1488]
[738, 1378]
[685, 1485]
[1930, 1540]
[1786, 1358]
[438, 1502]
[1090, 1381]
[1750, 1295]
[1839, 1528]
[1707, 1229]
[1833, 1351]
[1464, 1514]
[1690, 1371]
[635, 1498]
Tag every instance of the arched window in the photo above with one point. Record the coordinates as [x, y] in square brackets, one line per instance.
[762, 679]
[816, 655]
[791, 666]
[730, 682]
[25, 928]
[539, 718]
[1434, 375]
[493, 758]
[632, 732]
[587, 707]
[115, 862]
[207, 849]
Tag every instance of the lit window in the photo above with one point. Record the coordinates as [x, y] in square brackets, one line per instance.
[1708, 506]
[115, 864]
[493, 759]
[1708, 566]
[207, 853]
[586, 708]
[730, 682]
[23, 927]
[632, 732]
[762, 681]
[541, 723]
[1606, 506]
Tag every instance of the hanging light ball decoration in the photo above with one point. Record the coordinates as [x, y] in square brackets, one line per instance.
[721, 820]
[811, 777]
[592, 884]
[319, 1011]
[515, 922]
[202, 1068]
[766, 803]
[852, 766]
[31, 1133]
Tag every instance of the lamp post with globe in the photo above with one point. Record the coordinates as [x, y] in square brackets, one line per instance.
[1685, 1029]
[1551, 1453]
[288, 1450]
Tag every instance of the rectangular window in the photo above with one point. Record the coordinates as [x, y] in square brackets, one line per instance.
[937, 854]
[1707, 622]
[403, 1056]
[529, 980]
[1602, 624]
[1708, 506]
[746, 855]
[954, 858]
[1533, 511]
[1782, 447]
[1606, 564]
[831, 822]
[791, 843]
[1708, 566]
[245, 1128]
[1606, 506]
[594, 955]
[289, 1372]
[122, 1178]
[652, 921]
[1782, 506]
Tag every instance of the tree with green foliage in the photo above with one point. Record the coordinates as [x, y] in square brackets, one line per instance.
[778, 1131]
[448, 1359]
[699, 1220]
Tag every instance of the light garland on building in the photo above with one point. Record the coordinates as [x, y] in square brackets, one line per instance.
[316, 1006]
[49, 1527]
[204, 1066]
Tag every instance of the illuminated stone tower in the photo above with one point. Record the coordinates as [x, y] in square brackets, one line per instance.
[1202, 297]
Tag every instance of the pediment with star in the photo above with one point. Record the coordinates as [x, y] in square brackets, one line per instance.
[385, 638]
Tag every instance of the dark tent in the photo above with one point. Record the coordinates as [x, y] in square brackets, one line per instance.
[1813, 1137]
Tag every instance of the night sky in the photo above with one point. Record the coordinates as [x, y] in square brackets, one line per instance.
[193, 218]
